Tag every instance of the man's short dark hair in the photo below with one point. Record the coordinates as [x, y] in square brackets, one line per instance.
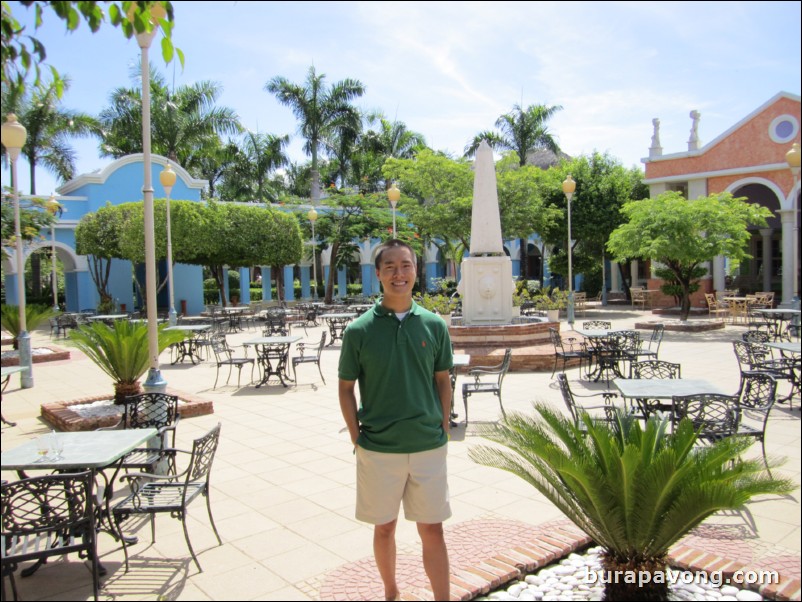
[391, 244]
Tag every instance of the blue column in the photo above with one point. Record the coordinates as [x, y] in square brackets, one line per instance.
[267, 284]
[226, 290]
[244, 286]
[88, 296]
[306, 292]
[326, 270]
[431, 275]
[289, 284]
[341, 283]
[368, 272]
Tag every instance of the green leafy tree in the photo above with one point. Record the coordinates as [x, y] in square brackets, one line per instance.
[682, 234]
[121, 351]
[321, 111]
[97, 236]
[603, 186]
[22, 52]
[522, 131]
[436, 198]
[636, 491]
[183, 121]
[33, 219]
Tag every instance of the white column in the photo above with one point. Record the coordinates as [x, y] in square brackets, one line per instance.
[615, 278]
[633, 272]
[788, 217]
[719, 274]
[765, 234]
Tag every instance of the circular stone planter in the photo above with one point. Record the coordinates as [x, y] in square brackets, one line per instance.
[67, 415]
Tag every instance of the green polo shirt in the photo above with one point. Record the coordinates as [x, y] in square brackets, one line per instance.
[394, 362]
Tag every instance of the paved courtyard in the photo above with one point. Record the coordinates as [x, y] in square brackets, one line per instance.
[283, 487]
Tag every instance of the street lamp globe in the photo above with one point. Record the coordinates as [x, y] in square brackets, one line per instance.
[393, 195]
[12, 136]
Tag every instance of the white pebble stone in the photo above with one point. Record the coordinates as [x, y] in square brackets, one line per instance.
[729, 590]
[564, 570]
[515, 590]
[527, 595]
[746, 595]
[534, 579]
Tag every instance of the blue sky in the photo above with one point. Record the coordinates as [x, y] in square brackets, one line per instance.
[449, 69]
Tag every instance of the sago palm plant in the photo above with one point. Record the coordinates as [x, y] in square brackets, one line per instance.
[34, 316]
[121, 351]
[636, 491]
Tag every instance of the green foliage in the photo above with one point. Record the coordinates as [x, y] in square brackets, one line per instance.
[35, 315]
[121, 351]
[683, 234]
[439, 304]
[672, 287]
[550, 298]
[33, 219]
[636, 491]
[22, 52]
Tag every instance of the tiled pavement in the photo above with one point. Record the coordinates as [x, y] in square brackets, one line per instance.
[283, 492]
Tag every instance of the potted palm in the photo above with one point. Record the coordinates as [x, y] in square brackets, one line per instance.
[34, 316]
[636, 491]
[552, 303]
[121, 351]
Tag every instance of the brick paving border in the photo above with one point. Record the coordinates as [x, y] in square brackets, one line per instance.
[488, 553]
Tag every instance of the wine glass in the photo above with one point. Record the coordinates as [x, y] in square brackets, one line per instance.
[56, 446]
[43, 448]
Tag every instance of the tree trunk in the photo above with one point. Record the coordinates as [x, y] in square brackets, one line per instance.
[123, 390]
[524, 256]
[36, 274]
[685, 308]
[621, 579]
[335, 247]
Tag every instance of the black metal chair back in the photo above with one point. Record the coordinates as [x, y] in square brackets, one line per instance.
[597, 325]
[755, 336]
[713, 416]
[756, 398]
[48, 516]
[496, 375]
[575, 409]
[305, 358]
[155, 494]
[656, 369]
[224, 356]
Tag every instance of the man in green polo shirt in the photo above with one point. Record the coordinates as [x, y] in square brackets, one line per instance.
[400, 354]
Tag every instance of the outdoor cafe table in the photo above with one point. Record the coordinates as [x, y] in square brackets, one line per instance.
[272, 354]
[795, 350]
[108, 317]
[83, 450]
[598, 338]
[337, 323]
[188, 347]
[663, 388]
[780, 321]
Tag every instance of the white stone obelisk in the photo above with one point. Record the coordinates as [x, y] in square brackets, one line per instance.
[486, 285]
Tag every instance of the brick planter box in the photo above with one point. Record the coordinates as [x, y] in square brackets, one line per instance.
[58, 354]
[62, 414]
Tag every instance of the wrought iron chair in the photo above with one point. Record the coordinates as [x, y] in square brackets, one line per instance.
[150, 410]
[581, 353]
[654, 369]
[756, 397]
[757, 356]
[496, 374]
[314, 358]
[713, 416]
[154, 494]
[652, 347]
[597, 325]
[224, 356]
[575, 409]
[48, 516]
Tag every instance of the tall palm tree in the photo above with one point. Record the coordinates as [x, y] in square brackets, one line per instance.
[523, 131]
[182, 120]
[390, 139]
[259, 157]
[49, 127]
[321, 110]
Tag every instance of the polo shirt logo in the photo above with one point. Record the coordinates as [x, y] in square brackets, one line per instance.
[423, 343]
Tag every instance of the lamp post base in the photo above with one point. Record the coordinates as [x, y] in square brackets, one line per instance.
[155, 383]
[25, 359]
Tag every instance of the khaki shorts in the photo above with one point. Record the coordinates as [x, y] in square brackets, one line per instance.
[419, 479]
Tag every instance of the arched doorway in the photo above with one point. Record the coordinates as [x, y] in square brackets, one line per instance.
[763, 272]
